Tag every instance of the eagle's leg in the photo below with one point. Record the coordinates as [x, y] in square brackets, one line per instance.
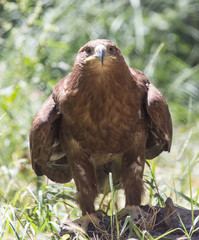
[132, 173]
[84, 175]
[85, 180]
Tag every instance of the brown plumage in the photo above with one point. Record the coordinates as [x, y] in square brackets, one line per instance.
[102, 117]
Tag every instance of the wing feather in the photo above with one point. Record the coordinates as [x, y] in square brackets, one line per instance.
[47, 156]
[159, 118]
[160, 123]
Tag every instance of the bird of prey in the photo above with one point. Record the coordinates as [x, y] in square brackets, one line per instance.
[102, 117]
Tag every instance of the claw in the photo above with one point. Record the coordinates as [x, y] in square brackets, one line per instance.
[90, 218]
[141, 218]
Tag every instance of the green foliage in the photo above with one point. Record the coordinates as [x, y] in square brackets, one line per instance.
[38, 44]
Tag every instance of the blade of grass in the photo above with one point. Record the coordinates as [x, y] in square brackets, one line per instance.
[177, 192]
[167, 233]
[149, 69]
[14, 230]
[191, 197]
[184, 228]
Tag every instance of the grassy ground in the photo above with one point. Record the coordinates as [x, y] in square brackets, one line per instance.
[38, 44]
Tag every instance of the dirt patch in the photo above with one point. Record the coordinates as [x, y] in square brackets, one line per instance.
[170, 222]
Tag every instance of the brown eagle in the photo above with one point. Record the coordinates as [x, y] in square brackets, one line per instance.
[102, 117]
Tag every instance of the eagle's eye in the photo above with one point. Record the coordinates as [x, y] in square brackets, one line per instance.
[111, 49]
[88, 50]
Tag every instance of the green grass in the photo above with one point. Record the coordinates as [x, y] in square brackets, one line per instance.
[38, 44]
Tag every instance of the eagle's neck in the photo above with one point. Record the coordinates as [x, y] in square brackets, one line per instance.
[101, 80]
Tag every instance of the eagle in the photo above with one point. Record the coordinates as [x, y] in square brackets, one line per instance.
[103, 117]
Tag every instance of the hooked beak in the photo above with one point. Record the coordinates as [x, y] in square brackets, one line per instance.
[100, 53]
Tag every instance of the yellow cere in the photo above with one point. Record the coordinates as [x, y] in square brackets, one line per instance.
[93, 57]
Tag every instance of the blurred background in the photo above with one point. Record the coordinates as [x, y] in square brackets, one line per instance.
[39, 40]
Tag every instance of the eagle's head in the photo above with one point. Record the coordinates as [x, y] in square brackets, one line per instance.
[100, 55]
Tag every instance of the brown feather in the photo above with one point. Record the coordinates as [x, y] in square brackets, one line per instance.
[103, 117]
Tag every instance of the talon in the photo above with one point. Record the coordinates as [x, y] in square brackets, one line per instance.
[140, 217]
[90, 218]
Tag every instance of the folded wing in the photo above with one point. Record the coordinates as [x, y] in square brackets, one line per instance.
[47, 156]
[158, 117]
